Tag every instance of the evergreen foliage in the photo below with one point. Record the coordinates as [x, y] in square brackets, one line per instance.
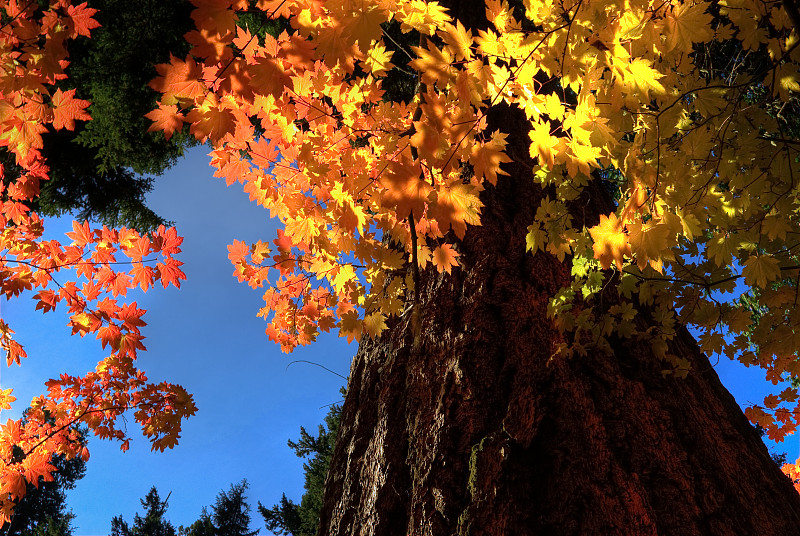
[294, 519]
[97, 169]
[202, 527]
[153, 523]
[230, 515]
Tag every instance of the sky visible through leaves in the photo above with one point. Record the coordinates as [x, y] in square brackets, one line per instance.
[206, 337]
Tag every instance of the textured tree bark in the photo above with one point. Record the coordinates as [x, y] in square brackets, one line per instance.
[477, 430]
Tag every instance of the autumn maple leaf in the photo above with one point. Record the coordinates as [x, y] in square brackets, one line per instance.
[179, 79]
[610, 241]
[166, 118]
[487, 157]
[405, 191]
[444, 258]
[81, 18]
[66, 109]
[238, 251]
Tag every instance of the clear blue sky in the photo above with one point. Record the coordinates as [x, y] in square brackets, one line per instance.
[206, 337]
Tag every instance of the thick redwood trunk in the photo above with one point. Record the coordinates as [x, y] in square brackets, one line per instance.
[478, 431]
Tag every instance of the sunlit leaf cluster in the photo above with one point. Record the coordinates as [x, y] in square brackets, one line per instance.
[685, 111]
[687, 106]
[89, 277]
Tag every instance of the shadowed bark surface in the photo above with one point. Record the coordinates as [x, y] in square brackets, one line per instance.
[477, 430]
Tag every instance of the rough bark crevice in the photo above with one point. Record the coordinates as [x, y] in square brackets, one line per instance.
[480, 431]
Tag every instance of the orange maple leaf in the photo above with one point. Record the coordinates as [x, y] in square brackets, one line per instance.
[211, 120]
[81, 234]
[444, 258]
[66, 109]
[12, 483]
[267, 77]
[169, 271]
[24, 136]
[457, 206]
[214, 15]
[166, 118]
[81, 18]
[238, 251]
[434, 64]
[178, 79]
[610, 241]
[405, 191]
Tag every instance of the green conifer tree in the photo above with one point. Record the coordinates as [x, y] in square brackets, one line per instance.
[230, 515]
[288, 517]
[98, 170]
[152, 523]
[43, 509]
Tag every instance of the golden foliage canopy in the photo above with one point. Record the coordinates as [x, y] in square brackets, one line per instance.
[684, 109]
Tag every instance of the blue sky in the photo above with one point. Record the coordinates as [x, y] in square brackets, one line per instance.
[206, 337]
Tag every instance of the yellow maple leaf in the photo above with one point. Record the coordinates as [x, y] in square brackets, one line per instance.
[374, 323]
[775, 226]
[487, 157]
[302, 229]
[685, 24]
[761, 270]
[458, 39]
[649, 242]
[499, 13]
[425, 17]
[6, 398]
[350, 326]
[433, 64]
[543, 143]
[722, 247]
[639, 74]
[689, 224]
[553, 107]
[784, 82]
[378, 60]
[610, 241]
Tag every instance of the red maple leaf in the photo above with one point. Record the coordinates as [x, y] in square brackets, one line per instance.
[238, 251]
[66, 109]
[82, 21]
[170, 272]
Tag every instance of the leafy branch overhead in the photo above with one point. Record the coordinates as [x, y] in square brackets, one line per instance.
[688, 104]
[684, 111]
[107, 262]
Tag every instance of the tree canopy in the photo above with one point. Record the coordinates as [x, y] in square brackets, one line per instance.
[682, 111]
[153, 521]
[98, 168]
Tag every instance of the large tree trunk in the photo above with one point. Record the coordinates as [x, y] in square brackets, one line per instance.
[476, 429]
